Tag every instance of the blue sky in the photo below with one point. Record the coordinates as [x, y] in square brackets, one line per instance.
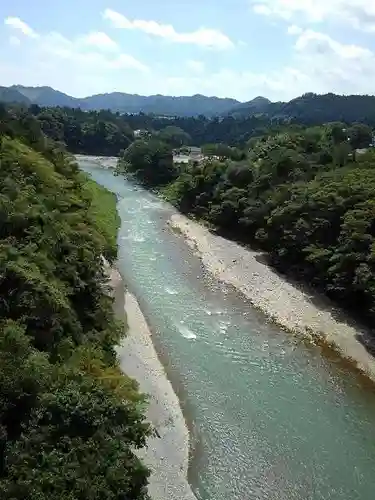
[235, 48]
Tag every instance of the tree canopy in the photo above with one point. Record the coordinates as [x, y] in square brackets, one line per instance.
[69, 419]
[150, 161]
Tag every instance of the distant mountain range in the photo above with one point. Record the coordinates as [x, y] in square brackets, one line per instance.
[123, 103]
[309, 108]
[314, 108]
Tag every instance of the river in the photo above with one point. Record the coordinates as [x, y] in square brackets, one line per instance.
[271, 417]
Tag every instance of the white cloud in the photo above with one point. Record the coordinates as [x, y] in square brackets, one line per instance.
[17, 24]
[195, 66]
[243, 85]
[75, 51]
[332, 66]
[99, 40]
[126, 61]
[14, 41]
[358, 13]
[262, 9]
[319, 64]
[80, 50]
[294, 30]
[322, 44]
[203, 37]
[94, 60]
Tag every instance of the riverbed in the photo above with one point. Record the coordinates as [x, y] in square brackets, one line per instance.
[270, 416]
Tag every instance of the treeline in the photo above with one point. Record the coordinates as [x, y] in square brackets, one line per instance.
[95, 132]
[306, 195]
[69, 420]
[108, 133]
[91, 132]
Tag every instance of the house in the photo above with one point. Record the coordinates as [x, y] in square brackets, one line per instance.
[140, 133]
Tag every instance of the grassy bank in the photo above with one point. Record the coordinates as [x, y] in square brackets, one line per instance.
[103, 211]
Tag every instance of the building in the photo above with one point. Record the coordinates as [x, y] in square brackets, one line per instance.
[140, 133]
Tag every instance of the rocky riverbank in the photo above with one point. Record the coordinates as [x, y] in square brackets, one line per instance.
[287, 304]
[166, 453]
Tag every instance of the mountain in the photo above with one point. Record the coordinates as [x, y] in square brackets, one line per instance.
[309, 108]
[257, 105]
[47, 96]
[125, 103]
[10, 94]
[313, 108]
[160, 104]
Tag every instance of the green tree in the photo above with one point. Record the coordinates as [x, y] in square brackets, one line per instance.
[78, 442]
[360, 136]
[150, 161]
[174, 136]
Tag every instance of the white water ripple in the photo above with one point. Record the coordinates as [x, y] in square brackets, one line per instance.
[137, 238]
[186, 332]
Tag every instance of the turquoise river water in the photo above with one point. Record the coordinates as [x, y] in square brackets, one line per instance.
[271, 417]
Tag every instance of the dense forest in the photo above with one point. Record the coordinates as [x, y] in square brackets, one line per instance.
[69, 419]
[304, 194]
[108, 133]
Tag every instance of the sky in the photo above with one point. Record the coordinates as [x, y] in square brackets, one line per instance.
[229, 48]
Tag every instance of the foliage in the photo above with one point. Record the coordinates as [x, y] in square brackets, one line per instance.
[108, 133]
[150, 161]
[174, 136]
[94, 132]
[222, 151]
[69, 420]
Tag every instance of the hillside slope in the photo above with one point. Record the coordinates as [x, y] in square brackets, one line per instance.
[315, 109]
